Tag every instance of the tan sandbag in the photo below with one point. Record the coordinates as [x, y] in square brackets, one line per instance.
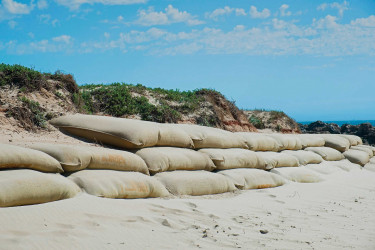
[235, 158]
[26, 187]
[207, 137]
[327, 153]
[253, 178]
[326, 167]
[19, 157]
[278, 160]
[77, 157]
[336, 141]
[259, 141]
[370, 167]
[364, 149]
[301, 174]
[357, 156]
[305, 157]
[160, 159]
[367, 146]
[346, 165]
[195, 182]
[173, 136]
[119, 132]
[311, 140]
[353, 139]
[118, 184]
[287, 141]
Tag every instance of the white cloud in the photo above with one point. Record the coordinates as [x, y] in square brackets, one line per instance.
[254, 13]
[63, 39]
[47, 19]
[106, 35]
[341, 7]
[42, 4]
[365, 22]
[225, 11]
[284, 10]
[120, 18]
[75, 4]
[14, 7]
[12, 24]
[171, 15]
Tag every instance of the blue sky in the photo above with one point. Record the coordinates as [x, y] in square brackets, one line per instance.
[311, 59]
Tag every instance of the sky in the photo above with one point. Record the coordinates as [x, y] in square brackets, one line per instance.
[314, 60]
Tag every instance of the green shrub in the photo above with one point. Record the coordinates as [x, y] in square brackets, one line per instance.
[257, 122]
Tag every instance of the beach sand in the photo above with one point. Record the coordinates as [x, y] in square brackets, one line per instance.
[335, 214]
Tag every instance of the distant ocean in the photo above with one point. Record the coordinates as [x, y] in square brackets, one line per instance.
[352, 122]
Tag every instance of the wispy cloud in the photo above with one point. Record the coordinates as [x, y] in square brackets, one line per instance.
[225, 11]
[284, 10]
[341, 7]
[254, 13]
[75, 4]
[14, 7]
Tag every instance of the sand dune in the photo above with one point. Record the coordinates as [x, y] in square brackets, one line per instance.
[334, 214]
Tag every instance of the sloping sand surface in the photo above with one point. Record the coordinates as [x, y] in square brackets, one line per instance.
[334, 214]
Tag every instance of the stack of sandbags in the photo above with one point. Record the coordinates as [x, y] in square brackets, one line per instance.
[278, 159]
[353, 139]
[20, 184]
[287, 141]
[368, 147]
[308, 140]
[160, 159]
[259, 141]
[357, 156]
[305, 157]
[369, 151]
[301, 174]
[253, 178]
[235, 158]
[195, 182]
[118, 184]
[336, 141]
[345, 165]
[327, 153]
[326, 167]
[76, 157]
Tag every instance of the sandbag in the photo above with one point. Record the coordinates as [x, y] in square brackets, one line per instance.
[326, 167]
[235, 158]
[19, 157]
[287, 141]
[357, 156]
[308, 140]
[259, 141]
[301, 174]
[207, 137]
[336, 141]
[160, 159]
[305, 157]
[173, 136]
[370, 167]
[253, 178]
[367, 146]
[26, 187]
[76, 157]
[353, 139]
[118, 184]
[195, 182]
[278, 160]
[364, 149]
[119, 132]
[327, 153]
[346, 165]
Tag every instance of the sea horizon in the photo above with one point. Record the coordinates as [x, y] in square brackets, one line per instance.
[342, 122]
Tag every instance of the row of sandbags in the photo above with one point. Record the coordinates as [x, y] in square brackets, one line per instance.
[135, 134]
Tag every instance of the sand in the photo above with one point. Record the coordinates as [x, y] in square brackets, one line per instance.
[334, 214]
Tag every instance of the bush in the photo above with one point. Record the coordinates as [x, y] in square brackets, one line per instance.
[257, 122]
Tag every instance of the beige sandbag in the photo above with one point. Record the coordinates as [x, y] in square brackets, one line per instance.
[207, 137]
[118, 184]
[253, 178]
[301, 174]
[336, 141]
[26, 187]
[367, 146]
[259, 141]
[195, 182]
[278, 160]
[173, 136]
[311, 140]
[370, 167]
[18, 157]
[287, 141]
[346, 165]
[305, 157]
[235, 158]
[357, 156]
[327, 153]
[119, 132]
[160, 159]
[78, 157]
[326, 167]
[364, 149]
[353, 139]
